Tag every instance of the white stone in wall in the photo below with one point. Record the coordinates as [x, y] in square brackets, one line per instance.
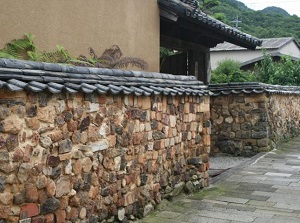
[94, 107]
[172, 121]
[150, 146]
[147, 127]
[136, 126]
[103, 129]
[142, 127]
[100, 145]
[117, 163]
[60, 106]
[229, 119]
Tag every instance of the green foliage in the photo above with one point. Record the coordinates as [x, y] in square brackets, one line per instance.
[229, 71]
[164, 52]
[284, 72]
[220, 16]
[111, 58]
[17, 48]
[259, 23]
[273, 9]
[206, 5]
[60, 55]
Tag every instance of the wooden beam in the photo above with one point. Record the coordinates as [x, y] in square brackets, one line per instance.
[168, 15]
[196, 36]
[199, 65]
[180, 45]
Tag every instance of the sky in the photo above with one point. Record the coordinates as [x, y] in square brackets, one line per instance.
[291, 6]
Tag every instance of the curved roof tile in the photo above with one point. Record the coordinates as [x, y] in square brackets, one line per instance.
[189, 9]
[18, 75]
[250, 88]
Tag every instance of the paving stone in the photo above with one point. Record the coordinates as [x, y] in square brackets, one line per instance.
[278, 174]
[277, 220]
[237, 207]
[232, 200]
[201, 219]
[268, 190]
[293, 206]
[225, 216]
[168, 214]
[261, 203]
[273, 213]
[248, 196]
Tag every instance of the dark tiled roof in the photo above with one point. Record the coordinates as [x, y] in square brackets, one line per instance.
[271, 43]
[18, 75]
[273, 54]
[251, 87]
[189, 10]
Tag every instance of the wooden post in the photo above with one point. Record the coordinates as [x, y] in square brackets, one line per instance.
[199, 65]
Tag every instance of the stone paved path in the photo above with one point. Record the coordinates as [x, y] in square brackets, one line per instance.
[264, 190]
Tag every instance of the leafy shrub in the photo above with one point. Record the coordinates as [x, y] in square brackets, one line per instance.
[111, 58]
[229, 71]
[284, 72]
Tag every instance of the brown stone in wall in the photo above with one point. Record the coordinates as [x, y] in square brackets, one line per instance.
[4, 211]
[63, 186]
[31, 193]
[38, 219]
[60, 216]
[129, 198]
[72, 214]
[53, 161]
[72, 126]
[49, 218]
[153, 138]
[51, 188]
[33, 123]
[46, 114]
[56, 135]
[12, 124]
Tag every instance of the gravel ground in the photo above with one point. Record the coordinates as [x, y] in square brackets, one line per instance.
[225, 162]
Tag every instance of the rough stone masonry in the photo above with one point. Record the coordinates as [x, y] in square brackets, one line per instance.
[92, 157]
[246, 122]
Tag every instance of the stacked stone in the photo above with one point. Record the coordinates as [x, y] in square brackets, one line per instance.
[240, 124]
[98, 158]
[284, 116]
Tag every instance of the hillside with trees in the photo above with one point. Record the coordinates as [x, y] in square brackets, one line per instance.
[267, 23]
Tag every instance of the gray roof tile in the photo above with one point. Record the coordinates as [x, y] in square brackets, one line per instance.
[17, 75]
[190, 10]
[251, 87]
[269, 43]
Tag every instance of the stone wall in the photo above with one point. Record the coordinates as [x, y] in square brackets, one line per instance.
[239, 124]
[284, 116]
[246, 124]
[85, 158]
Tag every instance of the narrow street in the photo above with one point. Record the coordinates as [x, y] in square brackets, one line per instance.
[264, 189]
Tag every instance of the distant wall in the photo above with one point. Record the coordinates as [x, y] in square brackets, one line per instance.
[90, 157]
[246, 124]
[79, 24]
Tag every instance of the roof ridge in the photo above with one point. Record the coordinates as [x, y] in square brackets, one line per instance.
[186, 10]
[226, 46]
[251, 87]
[19, 75]
[28, 65]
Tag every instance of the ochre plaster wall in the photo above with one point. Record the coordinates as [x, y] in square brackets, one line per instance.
[79, 24]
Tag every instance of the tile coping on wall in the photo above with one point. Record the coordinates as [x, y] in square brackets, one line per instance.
[18, 75]
[251, 87]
